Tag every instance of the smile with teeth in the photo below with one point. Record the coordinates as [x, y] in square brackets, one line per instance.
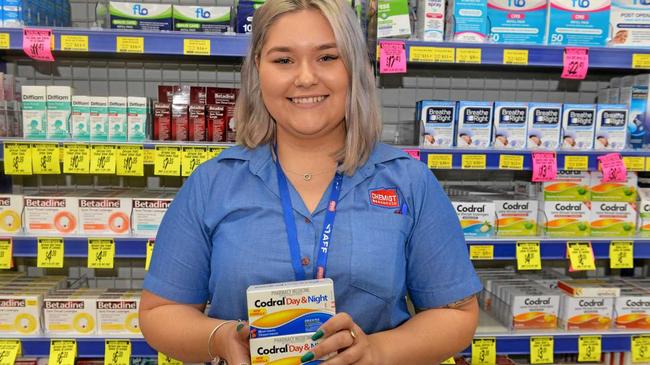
[308, 100]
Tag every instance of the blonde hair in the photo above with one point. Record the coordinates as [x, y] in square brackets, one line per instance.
[255, 125]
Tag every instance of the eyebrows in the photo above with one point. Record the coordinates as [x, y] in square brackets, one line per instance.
[287, 49]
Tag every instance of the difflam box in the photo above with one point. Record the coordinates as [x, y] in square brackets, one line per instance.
[578, 22]
[34, 112]
[188, 18]
[20, 314]
[283, 350]
[144, 16]
[80, 117]
[137, 118]
[474, 124]
[476, 217]
[98, 118]
[437, 119]
[467, 21]
[289, 308]
[611, 127]
[11, 210]
[59, 108]
[629, 23]
[430, 25]
[567, 219]
[517, 21]
[578, 124]
[625, 191]
[544, 125]
[577, 313]
[117, 118]
[105, 215]
[613, 219]
[568, 186]
[516, 217]
[510, 124]
[393, 18]
[51, 214]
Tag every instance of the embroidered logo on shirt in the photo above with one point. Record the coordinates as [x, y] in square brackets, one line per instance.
[385, 198]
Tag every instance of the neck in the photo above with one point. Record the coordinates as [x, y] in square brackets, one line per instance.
[306, 155]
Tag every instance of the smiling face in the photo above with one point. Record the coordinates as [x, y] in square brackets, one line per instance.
[303, 80]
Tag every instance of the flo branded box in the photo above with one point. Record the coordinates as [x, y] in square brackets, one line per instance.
[51, 214]
[578, 124]
[20, 314]
[625, 191]
[34, 112]
[629, 23]
[289, 308]
[283, 350]
[568, 186]
[510, 124]
[188, 18]
[467, 21]
[80, 118]
[567, 219]
[117, 118]
[578, 22]
[476, 217]
[516, 217]
[99, 118]
[611, 127]
[577, 313]
[59, 108]
[474, 124]
[105, 215]
[544, 125]
[613, 219]
[517, 21]
[143, 16]
[11, 210]
[437, 120]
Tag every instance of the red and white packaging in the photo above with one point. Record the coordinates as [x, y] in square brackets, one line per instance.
[166, 93]
[216, 121]
[180, 121]
[51, 214]
[197, 122]
[162, 122]
[105, 215]
[226, 97]
[198, 95]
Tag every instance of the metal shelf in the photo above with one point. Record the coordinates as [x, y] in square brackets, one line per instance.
[125, 247]
[86, 347]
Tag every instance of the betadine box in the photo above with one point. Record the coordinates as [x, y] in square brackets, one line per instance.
[567, 219]
[189, 18]
[510, 124]
[117, 314]
[70, 315]
[105, 215]
[437, 120]
[474, 124]
[148, 213]
[20, 314]
[611, 127]
[34, 112]
[59, 108]
[11, 210]
[143, 16]
[544, 125]
[613, 219]
[51, 215]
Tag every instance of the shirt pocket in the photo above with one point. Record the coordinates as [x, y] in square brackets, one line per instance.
[378, 262]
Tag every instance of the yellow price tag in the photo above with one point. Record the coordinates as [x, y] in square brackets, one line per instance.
[468, 55]
[481, 252]
[49, 253]
[45, 158]
[9, 351]
[449, 361]
[5, 41]
[589, 348]
[166, 360]
[515, 57]
[581, 256]
[63, 352]
[76, 158]
[102, 159]
[634, 163]
[149, 156]
[442, 161]
[215, 151]
[17, 159]
[621, 255]
[541, 350]
[150, 245]
[578, 163]
[528, 255]
[168, 161]
[641, 349]
[473, 162]
[101, 253]
[484, 351]
[75, 43]
[641, 60]
[197, 47]
[117, 352]
[192, 157]
[431, 54]
[511, 162]
[6, 253]
[129, 45]
[129, 160]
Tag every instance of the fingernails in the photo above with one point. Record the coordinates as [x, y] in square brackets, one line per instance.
[307, 357]
[239, 327]
[317, 335]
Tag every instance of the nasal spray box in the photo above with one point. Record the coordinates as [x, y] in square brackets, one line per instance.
[611, 127]
[289, 308]
[517, 21]
[476, 217]
[510, 125]
[117, 118]
[568, 186]
[393, 19]
[283, 350]
[544, 125]
[34, 112]
[578, 124]
[188, 18]
[98, 118]
[437, 120]
[474, 124]
[51, 214]
[467, 21]
[142, 16]
[20, 314]
[11, 210]
[137, 118]
[430, 25]
[516, 217]
[105, 215]
[567, 219]
[578, 22]
[59, 108]
[80, 117]
[629, 23]
[624, 191]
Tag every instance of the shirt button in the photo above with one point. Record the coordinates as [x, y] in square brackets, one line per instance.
[305, 261]
[307, 220]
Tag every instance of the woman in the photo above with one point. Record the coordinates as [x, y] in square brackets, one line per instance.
[308, 127]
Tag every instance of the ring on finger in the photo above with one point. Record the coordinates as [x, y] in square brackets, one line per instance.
[354, 336]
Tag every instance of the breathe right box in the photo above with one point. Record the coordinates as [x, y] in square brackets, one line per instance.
[630, 23]
[578, 22]
[611, 127]
[578, 125]
[437, 120]
[34, 112]
[544, 125]
[510, 124]
[474, 124]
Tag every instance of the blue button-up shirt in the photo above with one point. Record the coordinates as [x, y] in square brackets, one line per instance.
[225, 231]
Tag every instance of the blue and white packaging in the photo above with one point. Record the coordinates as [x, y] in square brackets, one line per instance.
[636, 99]
[611, 127]
[143, 16]
[437, 120]
[544, 125]
[190, 18]
[430, 25]
[517, 21]
[630, 23]
[474, 124]
[578, 124]
[467, 21]
[510, 122]
[245, 11]
[578, 22]
[12, 13]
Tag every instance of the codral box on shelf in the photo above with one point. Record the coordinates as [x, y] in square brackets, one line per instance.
[283, 350]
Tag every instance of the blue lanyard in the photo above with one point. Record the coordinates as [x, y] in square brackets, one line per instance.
[292, 231]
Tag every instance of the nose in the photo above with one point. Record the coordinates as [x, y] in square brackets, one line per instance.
[306, 75]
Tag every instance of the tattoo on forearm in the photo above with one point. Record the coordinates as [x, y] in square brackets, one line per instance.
[460, 303]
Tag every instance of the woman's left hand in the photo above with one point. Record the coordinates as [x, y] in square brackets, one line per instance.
[345, 340]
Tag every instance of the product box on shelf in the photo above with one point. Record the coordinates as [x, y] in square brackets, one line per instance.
[117, 314]
[518, 21]
[467, 21]
[137, 109]
[578, 125]
[51, 214]
[578, 22]
[227, 97]
[216, 120]
[584, 313]
[393, 18]
[430, 24]
[180, 122]
[516, 217]
[531, 307]
[644, 212]
[148, 211]
[568, 186]
[629, 23]
[196, 122]
[11, 210]
[98, 118]
[474, 124]
[59, 108]
[67, 312]
[80, 117]
[567, 219]
[34, 112]
[636, 99]
[476, 217]
[198, 94]
[436, 120]
[544, 125]
[625, 191]
[589, 288]
[289, 308]
[613, 219]
[20, 313]
[632, 309]
[245, 12]
[166, 93]
[162, 122]
[510, 124]
[611, 127]
[104, 214]
[143, 16]
[190, 18]
[117, 118]
[283, 349]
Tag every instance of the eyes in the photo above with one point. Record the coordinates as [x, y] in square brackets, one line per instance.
[289, 60]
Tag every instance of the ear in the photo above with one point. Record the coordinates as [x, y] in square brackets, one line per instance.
[257, 62]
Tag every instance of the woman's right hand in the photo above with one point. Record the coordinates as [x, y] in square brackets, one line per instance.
[236, 349]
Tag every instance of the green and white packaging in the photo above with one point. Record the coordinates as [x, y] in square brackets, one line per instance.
[189, 18]
[117, 118]
[393, 19]
[59, 108]
[34, 112]
[137, 118]
[98, 118]
[644, 212]
[81, 117]
[143, 16]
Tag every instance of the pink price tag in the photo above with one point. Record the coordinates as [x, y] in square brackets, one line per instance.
[614, 169]
[392, 57]
[413, 153]
[37, 42]
[576, 63]
[544, 166]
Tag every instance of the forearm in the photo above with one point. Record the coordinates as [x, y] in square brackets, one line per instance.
[429, 337]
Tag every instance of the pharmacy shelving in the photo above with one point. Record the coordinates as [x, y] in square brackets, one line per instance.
[86, 346]
[125, 247]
